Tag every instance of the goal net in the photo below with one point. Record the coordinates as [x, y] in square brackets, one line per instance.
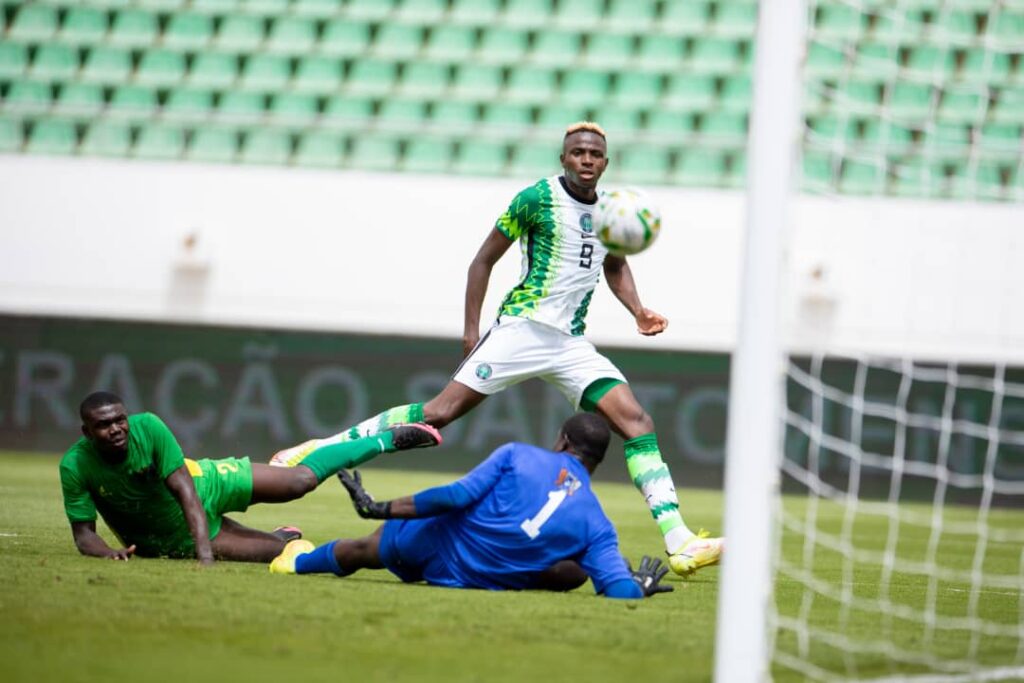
[896, 540]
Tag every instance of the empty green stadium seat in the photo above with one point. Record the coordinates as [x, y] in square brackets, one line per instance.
[531, 160]
[879, 61]
[265, 147]
[188, 31]
[52, 137]
[955, 27]
[899, 25]
[107, 139]
[637, 89]
[1009, 105]
[291, 35]
[1007, 27]
[134, 102]
[33, 23]
[611, 50]
[480, 157]
[475, 12]
[213, 70]
[556, 47]
[213, 144]
[528, 13]
[264, 7]
[221, 7]
[374, 152]
[983, 180]
[579, 14]
[661, 52]
[675, 124]
[161, 68]
[690, 17]
[240, 32]
[630, 15]
[507, 120]
[320, 148]
[530, 84]
[477, 81]
[427, 155]
[240, 106]
[985, 66]
[502, 46]
[369, 9]
[700, 167]
[1004, 137]
[826, 130]
[946, 140]
[83, 26]
[915, 177]
[454, 116]
[320, 9]
[344, 38]
[736, 93]
[265, 72]
[451, 43]
[28, 96]
[557, 117]
[188, 104]
[371, 77]
[835, 21]
[54, 61]
[642, 164]
[862, 177]
[424, 79]
[585, 88]
[824, 59]
[133, 28]
[398, 41]
[13, 60]
[715, 55]
[930, 61]
[162, 5]
[818, 171]
[107, 65]
[79, 99]
[421, 11]
[735, 19]
[887, 135]
[10, 135]
[725, 130]
[401, 114]
[318, 75]
[619, 121]
[859, 97]
[690, 92]
[347, 112]
[910, 100]
[963, 106]
[294, 108]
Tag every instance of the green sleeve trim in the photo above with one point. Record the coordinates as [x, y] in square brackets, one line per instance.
[597, 389]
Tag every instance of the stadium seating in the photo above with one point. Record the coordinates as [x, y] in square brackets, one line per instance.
[485, 86]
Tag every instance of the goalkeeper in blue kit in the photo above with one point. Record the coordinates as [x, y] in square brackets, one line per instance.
[525, 518]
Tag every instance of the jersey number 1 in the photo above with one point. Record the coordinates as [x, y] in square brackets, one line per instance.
[532, 526]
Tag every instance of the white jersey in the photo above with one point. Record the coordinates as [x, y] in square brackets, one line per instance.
[562, 258]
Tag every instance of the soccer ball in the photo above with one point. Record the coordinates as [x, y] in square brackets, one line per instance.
[626, 221]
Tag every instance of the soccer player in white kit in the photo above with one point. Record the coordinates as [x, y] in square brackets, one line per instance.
[539, 333]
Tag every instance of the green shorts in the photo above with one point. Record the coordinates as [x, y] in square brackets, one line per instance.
[223, 486]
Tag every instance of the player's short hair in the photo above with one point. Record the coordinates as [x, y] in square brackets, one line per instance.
[585, 127]
[588, 436]
[97, 399]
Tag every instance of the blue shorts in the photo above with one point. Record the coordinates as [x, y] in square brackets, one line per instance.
[408, 550]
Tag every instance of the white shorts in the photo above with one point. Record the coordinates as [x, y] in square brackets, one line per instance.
[517, 349]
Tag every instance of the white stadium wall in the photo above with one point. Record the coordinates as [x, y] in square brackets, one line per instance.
[366, 252]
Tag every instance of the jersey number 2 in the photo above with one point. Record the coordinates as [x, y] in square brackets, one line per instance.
[532, 526]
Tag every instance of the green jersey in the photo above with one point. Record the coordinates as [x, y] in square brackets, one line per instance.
[131, 495]
[562, 258]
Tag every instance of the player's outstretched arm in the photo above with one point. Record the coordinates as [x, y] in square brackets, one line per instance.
[92, 544]
[428, 503]
[184, 490]
[620, 280]
[493, 248]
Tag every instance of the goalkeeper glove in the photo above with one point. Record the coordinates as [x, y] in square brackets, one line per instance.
[366, 506]
[648, 575]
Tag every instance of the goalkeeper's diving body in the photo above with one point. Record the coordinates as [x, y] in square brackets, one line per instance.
[539, 333]
[525, 518]
[131, 470]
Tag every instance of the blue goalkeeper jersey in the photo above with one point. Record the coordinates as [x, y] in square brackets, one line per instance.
[527, 509]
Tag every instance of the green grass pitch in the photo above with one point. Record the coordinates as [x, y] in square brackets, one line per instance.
[71, 618]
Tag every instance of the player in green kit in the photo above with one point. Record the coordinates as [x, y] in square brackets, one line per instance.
[539, 333]
[131, 470]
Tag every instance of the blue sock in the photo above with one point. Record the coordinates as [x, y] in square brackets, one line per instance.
[320, 561]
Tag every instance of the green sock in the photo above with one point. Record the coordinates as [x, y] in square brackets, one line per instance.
[651, 477]
[327, 460]
[411, 412]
